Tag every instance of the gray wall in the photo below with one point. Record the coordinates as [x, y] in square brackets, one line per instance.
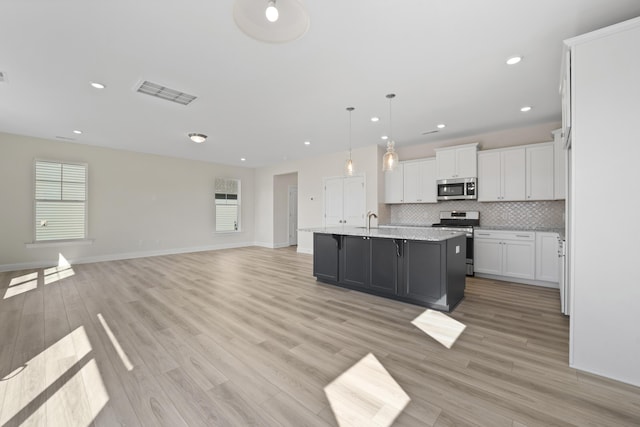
[139, 204]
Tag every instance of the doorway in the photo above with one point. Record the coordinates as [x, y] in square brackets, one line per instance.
[285, 210]
[293, 215]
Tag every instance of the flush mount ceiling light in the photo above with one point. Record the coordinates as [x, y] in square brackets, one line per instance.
[198, 138]
[390, 158]
[349, 165]
[271, 22]
[514, 60]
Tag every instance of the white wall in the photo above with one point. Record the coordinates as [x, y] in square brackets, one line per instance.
[281, 184]
[605, 321]
[138, 204]
[310, 173]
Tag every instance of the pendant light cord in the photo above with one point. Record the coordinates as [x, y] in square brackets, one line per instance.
[350, 110]
[390, 97]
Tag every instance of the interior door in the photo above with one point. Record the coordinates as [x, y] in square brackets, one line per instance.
[293, 215]
[354, 201]
[333, 195]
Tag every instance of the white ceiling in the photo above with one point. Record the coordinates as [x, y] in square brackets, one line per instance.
[445, 60]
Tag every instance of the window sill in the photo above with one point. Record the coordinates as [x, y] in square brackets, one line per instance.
[58, 243]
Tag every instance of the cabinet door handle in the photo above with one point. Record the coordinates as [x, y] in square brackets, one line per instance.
[522, 235]
[483, 234]
[397, 248]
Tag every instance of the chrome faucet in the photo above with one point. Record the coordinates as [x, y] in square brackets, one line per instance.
[369, 215]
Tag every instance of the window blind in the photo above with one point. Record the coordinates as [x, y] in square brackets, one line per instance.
[227, 196]
[60, 201]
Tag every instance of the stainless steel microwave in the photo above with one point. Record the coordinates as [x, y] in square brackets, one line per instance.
[457, 189]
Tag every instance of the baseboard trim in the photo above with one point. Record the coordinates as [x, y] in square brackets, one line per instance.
[126, 255]
[517, 280]
[305, 250]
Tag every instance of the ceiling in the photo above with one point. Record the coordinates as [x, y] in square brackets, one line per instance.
[444, 59]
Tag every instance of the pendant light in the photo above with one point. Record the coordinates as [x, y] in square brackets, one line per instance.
[390, 158]
[349, 165]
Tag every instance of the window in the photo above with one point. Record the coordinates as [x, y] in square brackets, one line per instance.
[227, 194]
[60, 201]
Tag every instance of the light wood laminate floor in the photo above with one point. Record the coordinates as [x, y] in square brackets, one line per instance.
[247, 336]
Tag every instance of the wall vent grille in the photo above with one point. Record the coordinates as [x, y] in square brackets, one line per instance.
[162, 92]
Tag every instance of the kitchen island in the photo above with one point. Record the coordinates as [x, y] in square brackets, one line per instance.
[420, 266]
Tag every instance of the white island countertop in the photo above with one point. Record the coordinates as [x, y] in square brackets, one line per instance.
[426, 233]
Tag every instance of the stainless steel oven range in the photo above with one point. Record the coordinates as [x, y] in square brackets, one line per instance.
[464, 222]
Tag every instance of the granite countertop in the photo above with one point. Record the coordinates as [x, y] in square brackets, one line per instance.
[405, 233]
[559, 230]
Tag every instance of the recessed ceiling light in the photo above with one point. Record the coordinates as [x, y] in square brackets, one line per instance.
[384, 137]
[198, 138]
[441, 126]
[375, 119]
[307, 143]
[514, 60]
[242, 159]
[97, 85]
[77, 132]
[525, 109]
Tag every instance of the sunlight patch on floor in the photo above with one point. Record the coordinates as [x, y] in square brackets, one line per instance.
[116, 344]
[21, 284]
[439, 326]
[59, 272]
[366, 395]
[59, 384]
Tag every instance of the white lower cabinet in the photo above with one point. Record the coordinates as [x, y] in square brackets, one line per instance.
[505, 253]
[547, 257]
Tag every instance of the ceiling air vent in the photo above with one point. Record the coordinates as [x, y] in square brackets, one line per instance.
[162, 92]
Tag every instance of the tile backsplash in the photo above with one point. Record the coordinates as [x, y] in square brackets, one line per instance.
[546, 214]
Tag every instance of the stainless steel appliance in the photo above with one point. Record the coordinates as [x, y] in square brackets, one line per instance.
[463, 222]
[457, 189]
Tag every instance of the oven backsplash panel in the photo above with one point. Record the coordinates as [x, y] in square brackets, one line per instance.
[547, 214]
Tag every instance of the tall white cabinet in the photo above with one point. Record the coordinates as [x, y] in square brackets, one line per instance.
[601, 119]
[344, 201]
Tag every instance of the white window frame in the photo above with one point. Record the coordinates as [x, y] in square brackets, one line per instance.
[37, 243]
[239, 210]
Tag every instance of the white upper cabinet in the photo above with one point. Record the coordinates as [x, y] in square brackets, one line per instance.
[520, 173]
[457, 162]
[501, 175]
[394, 185]
[420, 181]
[540, 183]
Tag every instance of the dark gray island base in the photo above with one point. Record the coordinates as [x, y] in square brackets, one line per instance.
[426, 268]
